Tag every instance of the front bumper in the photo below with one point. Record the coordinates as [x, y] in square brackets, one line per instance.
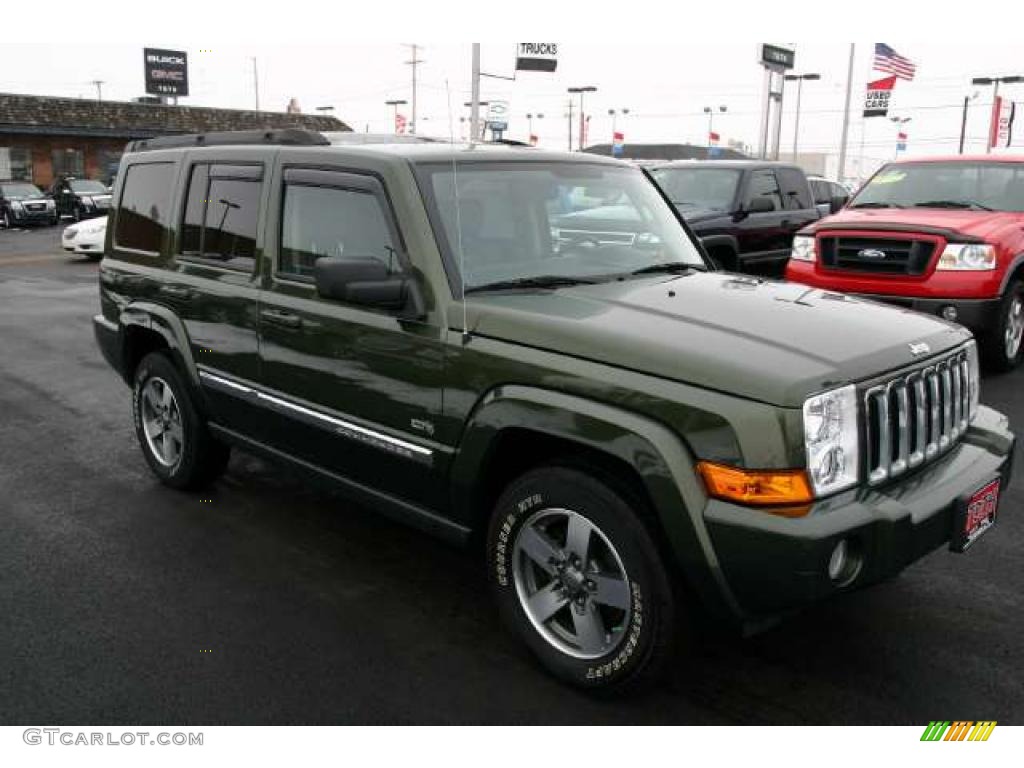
[976, 314]
[25, 216]
[773, 564]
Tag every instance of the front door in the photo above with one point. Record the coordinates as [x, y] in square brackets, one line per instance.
[354, 389]
[764, 237]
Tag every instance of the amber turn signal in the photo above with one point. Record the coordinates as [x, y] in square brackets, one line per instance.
[775, 488]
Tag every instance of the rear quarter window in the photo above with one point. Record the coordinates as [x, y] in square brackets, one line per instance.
[144, 214]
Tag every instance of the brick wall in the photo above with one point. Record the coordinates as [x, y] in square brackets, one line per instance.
[95, 151]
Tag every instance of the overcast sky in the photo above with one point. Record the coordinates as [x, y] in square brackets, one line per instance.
[664, 86]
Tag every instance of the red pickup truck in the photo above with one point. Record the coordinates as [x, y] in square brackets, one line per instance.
[943, 236]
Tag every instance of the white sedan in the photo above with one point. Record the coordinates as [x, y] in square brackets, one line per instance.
[86, 237]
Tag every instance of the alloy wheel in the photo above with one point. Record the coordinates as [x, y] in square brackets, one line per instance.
[162, 422]
[571, 583]
[1014, 327]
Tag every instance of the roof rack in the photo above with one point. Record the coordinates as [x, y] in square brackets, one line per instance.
[278, 136]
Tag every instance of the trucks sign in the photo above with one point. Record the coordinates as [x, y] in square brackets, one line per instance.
[537, 57]
[166, 72]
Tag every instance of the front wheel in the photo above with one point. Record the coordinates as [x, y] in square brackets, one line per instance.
[578, 578]
[174, 439]
[1003, 344]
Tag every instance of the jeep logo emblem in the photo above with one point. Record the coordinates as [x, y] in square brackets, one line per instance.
[871, 253]
[919, 349]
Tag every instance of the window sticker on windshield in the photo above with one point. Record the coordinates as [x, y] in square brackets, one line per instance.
[890, 177]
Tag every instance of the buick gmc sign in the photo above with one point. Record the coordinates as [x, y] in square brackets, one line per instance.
[166, 72]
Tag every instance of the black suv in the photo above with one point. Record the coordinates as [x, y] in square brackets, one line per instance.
[626, 434]
[80, 198]
[24, 203]
[744, 211]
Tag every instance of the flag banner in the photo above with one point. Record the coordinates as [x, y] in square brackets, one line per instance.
[400, 123]
[713, 138]
[876, 104]
[887, 60]
[533, 140]
[1004, 113]
[618, 141]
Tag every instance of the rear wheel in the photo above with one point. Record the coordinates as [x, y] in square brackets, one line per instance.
[1003, 344]
[174, 439]
[578, 578]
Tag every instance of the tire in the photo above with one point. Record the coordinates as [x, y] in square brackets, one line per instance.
[172, 434]
[1003, 344]
[584, 601]
[6, 220]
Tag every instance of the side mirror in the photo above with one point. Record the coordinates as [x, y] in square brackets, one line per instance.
[761, 205]
[837, 203]
[366, 282]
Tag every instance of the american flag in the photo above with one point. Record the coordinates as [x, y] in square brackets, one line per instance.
[887, 60]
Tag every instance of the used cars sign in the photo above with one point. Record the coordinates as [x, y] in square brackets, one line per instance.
[166, 72]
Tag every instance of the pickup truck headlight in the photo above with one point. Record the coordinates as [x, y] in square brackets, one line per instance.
[831, 439]
[972, 257]
[803, 248]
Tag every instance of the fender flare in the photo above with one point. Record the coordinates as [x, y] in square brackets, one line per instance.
[721, 241]
[160, 319]
[1016, 262]
[665, 464]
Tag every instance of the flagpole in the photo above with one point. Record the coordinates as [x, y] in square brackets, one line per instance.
[846, 116]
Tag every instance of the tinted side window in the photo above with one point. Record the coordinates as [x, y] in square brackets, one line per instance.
[795, 191]
[820, 189]
[195, 209]
[145, 206]
[232, 211]
[763, 184]
[328, 221]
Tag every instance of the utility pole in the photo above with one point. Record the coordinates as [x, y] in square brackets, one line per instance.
[413, 62]
[474, 104]
[570, 125]
[256, 83]
[99, 89]
[846, 115]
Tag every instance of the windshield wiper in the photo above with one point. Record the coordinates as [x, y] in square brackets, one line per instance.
[669, 267]
[877, 205]
[953, 204]
[540, 281]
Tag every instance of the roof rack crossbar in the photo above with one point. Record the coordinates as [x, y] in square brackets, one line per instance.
[278, 136]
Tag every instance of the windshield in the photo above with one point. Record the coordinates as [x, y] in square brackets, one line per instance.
[20, 191]
[578, 221]
[972, 186]
[87, 187]
[711, 188]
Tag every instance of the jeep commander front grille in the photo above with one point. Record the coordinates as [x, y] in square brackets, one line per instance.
[917, 416]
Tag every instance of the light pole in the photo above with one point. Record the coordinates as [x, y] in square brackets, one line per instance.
[994, 82]
[582, 89]
[799, 88]
[710, 112]
[529, 120]
[477, 121]
[900, 122]
[394, 104]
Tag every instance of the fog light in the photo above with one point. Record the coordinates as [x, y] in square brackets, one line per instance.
[949, 313]
[837, 563]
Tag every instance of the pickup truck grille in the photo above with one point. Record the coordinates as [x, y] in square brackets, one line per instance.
[916, 416]
[887, 256]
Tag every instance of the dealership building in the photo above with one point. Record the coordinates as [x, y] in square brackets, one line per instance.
[42, 138]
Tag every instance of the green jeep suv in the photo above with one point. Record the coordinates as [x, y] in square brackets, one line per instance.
[627, 434]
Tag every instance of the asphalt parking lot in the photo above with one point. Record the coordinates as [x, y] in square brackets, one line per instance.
[264, 601]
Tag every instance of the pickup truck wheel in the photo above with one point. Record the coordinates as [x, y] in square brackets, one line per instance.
[1004, 343]
[577, 576]
[174, 438]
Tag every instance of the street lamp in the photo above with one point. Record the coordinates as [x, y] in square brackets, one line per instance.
[900, 122]
[529, 119]
[325, 109]
[395, 103]
[710, 112]
[615, 113]
[994, 82]
[799, 88]
[582, 89]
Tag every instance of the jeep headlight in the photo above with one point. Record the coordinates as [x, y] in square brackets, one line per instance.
[831, 440]
[803, 248]
[971, 257]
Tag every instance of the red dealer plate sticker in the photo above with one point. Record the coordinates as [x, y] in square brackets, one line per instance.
[975, 516]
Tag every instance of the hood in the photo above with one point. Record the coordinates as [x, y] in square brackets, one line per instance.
[979, 224]
[769, 341]
[698, 215]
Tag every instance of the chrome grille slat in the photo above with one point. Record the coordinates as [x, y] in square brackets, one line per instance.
[916, 416]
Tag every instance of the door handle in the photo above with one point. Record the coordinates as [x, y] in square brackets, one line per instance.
[176, 292]
[286, 319]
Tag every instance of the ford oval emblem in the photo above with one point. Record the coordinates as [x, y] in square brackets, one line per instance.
[919, 349]
[871, 253]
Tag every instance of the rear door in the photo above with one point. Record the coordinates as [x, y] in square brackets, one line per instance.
[797, 201]
[354, 389]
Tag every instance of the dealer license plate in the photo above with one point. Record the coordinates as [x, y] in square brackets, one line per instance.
[975, 516]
